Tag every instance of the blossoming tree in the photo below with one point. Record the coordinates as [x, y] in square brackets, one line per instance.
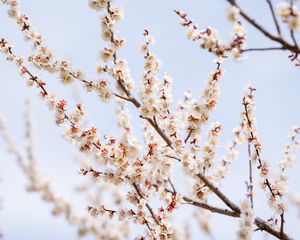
[149, 178]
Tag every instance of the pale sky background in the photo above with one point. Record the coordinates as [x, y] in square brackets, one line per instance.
[71, 29]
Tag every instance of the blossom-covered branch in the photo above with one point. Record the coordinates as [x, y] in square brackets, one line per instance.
[178, 139]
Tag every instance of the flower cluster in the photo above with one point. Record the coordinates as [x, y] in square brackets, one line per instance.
[289, 14]
[148, 91]
[44, 58]
[98, 4]
[210, 38]
[247, 222]
[290, 149]
[233, 14]
[209, 148]
[118, 68]
[138, 216]
[280, 181]
[60, 205]
[275, 186]
[238, 43]
[69, 121]
[254, 144]
[128, 138]
[200, 111]
[204, 220]
[219, 173]
[249, 119]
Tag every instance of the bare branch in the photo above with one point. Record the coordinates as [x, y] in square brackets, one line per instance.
[264, 226]
[274, 16]
[250, 187]
[211, 208]
[281, 224]
[158, 130]
[263, 49]
[215, 190]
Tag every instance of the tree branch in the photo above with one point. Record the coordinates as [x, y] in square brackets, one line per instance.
[264, 49]
[211, 208]
[250, 186]
[137, 189]
[216, 191]
[260, 28]
[260, 223]
[264, 226]
[158, 130]
[274, 17]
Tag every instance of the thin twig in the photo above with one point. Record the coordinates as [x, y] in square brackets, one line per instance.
[124, 98]
[176, 158]
[137, 189]
[188, 136]
[172, 185]
[250, 187]
[263, 49]
[294, 38]
[292, 31]
[158, 130]
[281, 224]
[211, 208]
[274, 17]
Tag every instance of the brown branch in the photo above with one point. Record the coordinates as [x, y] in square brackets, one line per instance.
[34, 78]
[172, 185]
[124, 98]
[252, 137]
[294, 38]
[128, 94]
[260, 223]
[250, 187]
[176, 158]
[45, 92]
[158, 130]
[281, 224]
[274, 16]
[215, 190]
[148, 226]
[263, 49]
[211, 208]
[264, 226]
[204, 205]
[90, 83]
[260, 28]
[292, 31]
[188, 136]
[137, 189]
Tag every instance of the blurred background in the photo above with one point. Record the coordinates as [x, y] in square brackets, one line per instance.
[72, 30]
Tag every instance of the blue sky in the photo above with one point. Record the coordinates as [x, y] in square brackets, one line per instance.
[72, 30]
